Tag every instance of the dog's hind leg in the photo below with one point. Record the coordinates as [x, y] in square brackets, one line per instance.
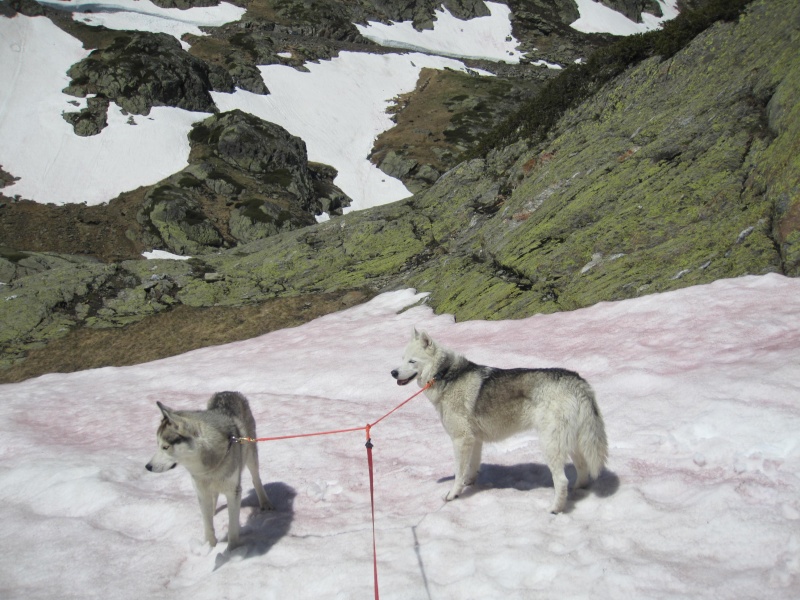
[234, 497]
[581, 469]
[560, 484]
[555, 452]
[252, 466]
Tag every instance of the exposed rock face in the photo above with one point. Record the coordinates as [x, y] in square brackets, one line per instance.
[15, 265]
[140, 70]
[421, 12]
[444, 117]
[248, 179]
[90, 120]
[676, 173]
[633, 9]
[778, 174]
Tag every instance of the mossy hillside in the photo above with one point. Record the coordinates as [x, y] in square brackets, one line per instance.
[676, 206]
[654, 175]
[536, 117]
[776, 171]
[443, 117]
[361, 248]
[41, 306]
[665, 179]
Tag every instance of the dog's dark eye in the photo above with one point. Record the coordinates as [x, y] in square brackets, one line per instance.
[412, 362]
[165, 447]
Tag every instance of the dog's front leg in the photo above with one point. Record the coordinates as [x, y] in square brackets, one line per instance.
[463, 449]
[234, 498]
[474, 463]
[208, 502]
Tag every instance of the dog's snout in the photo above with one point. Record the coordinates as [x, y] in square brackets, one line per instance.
[149, 467]
[395, 373]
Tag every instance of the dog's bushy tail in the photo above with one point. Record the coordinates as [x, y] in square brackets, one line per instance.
[592, 441]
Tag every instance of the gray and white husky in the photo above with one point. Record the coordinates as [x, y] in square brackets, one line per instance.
[484, 404]
[203, 442]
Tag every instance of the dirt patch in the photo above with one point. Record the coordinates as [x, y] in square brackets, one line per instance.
[176, 332]
[108, 232]
[443, 117]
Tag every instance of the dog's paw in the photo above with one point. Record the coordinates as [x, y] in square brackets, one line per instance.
[452, 495]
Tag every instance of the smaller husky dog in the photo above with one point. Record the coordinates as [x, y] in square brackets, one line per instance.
[203, 442]
[485, 404]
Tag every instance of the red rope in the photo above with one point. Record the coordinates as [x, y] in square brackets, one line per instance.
[372, 504]
[427, 385]
[299, 435]
[302, 435]
[369, 465]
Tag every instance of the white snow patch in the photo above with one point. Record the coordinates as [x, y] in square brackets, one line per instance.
[357, 89]
[163, 254]
[698, 389]
[599, 18]
[487, 38]
[40, 147]
[143, 15]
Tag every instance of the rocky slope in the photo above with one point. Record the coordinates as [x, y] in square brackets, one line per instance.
[678, 172]
[140, 70]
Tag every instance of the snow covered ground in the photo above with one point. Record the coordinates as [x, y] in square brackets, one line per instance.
[143, 15]
[338, 107]
[598, 18]
[488, 38]
[699, 388]
[40, 147]
[340, 131]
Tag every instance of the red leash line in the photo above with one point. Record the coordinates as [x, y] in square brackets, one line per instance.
[369, 446]
[348, 430]
[402, 404]
[299, 435]
[372, 504]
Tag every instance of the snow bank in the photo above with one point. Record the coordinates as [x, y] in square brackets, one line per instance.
[486, 38]
[698, 388]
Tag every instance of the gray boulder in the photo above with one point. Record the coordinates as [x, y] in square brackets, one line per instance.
[248, 179]
[140, 70]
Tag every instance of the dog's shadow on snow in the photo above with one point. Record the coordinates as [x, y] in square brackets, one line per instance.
[531, 476]
[262, 529]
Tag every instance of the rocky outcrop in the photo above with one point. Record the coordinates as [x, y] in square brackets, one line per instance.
[440, 120]
[421, 12]
[90, 120]
[633, 9]
[677, 173]
[247, 179]
[15, 265]
[140, 70]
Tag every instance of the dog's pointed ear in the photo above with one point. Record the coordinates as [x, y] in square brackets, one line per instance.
[184, 425]
[165, 410]
[425, 339]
